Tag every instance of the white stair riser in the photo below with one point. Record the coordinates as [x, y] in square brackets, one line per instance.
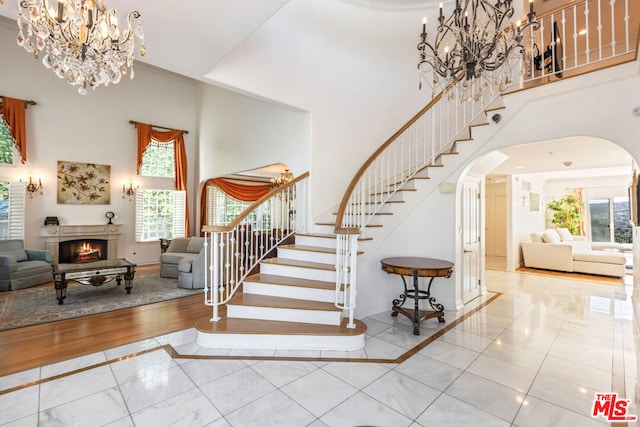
[281, 342]
[296, 292]
[319, 317]
[300, 273]
[320, 257]
[323, 229]
[322, 242]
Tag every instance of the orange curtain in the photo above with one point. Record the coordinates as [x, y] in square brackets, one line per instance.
[579, 194]
[13, 111]
[246, 193]
[146, 134]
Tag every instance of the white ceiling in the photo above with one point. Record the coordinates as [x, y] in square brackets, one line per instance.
[191, 36]
[584, 156]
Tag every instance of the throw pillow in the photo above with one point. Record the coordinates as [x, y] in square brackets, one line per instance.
[551, 236]
[536, 237]
[565, 234]
[18, 254]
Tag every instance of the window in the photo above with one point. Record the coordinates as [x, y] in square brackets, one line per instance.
[159, 160]
[222, 209]
[12, 204]
[160, 214]
[6, 144]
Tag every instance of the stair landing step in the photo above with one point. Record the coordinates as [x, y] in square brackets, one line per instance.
[251, 300]
[298, 263]
[289, 281]
[275, 327]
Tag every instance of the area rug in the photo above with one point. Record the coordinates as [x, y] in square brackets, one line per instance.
[32, 306]
[575, 276]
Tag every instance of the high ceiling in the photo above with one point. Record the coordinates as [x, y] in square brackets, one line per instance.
[200, 38]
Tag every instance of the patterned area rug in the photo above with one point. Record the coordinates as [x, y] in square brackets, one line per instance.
[37, 305]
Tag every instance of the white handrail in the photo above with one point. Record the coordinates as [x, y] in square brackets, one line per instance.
[233, 251]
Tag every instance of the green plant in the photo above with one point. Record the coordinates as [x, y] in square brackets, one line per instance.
[567, 213]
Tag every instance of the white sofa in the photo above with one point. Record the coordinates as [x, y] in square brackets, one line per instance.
[557, 249]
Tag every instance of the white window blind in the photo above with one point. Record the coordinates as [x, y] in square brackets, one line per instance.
[160, 214]
[17, 201]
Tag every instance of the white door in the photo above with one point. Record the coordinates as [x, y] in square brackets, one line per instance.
[471, 223]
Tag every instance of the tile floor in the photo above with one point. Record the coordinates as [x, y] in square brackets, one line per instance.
[534, 356]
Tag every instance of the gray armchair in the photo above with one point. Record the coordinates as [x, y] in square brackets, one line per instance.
[20, 268]
[184, 260]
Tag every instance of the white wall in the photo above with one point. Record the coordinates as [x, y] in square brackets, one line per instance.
[93, 128]
[228, 132]
[239, 133]
[597, 104]
[524, 220]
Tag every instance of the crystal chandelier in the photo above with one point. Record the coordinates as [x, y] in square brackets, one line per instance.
[473, 47]
[79, 40]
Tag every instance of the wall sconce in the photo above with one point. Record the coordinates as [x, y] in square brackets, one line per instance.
[33, 188]
[129, 191]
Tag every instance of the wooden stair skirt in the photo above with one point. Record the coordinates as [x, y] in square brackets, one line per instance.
[289, 305]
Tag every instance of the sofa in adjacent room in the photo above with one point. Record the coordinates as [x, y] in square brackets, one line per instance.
[184, 260]
[557, 249]
[22, 268]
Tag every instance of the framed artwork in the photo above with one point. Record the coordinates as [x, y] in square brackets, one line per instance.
[83, 183]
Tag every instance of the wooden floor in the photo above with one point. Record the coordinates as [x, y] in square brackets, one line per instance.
[33, 346]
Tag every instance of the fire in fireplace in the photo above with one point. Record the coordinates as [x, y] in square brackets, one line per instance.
[82, 250]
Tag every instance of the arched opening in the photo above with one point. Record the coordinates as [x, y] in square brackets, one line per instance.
[517, 182]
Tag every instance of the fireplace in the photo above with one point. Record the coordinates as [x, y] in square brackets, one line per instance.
[55, 235]
[82, 250]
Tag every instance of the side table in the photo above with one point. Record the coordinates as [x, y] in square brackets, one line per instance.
[417, 267]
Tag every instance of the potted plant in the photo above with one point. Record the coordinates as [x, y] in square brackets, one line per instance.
[567, 213]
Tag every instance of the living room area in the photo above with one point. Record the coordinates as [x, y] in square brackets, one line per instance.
[581, 187]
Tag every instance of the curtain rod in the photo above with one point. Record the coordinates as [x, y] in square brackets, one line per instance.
[133, 122]
[26, 103]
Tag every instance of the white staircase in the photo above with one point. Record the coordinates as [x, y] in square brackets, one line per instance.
[289, 304]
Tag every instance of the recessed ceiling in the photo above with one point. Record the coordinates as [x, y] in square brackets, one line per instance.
[566, 157]
[394, 4]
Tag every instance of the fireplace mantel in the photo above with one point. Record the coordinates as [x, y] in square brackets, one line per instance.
[54, 234]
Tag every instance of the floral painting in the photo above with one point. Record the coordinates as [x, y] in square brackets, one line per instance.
[83, 183]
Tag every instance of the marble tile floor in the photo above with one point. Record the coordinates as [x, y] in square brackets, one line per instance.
[532, 352]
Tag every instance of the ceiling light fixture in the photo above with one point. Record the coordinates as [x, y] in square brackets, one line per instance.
[284, 178]
[471, 45]
[80, 40]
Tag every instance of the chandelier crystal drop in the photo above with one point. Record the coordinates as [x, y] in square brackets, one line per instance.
[475, 48]
[79, 40]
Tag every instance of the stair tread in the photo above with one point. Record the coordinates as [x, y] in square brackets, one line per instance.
[327, 236]
[307, 248]
[298, 263]
[333, 223]
[358, 213]
[289, 281]
[254, 300]
[249, 326]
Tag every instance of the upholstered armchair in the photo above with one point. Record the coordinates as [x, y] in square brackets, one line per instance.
[184, 260]
[20, 268]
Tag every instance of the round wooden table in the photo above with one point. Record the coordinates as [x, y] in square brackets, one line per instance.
[417, 267]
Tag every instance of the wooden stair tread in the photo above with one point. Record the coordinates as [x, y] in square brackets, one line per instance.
[249, 326]
[289, 281]
[377, 213]
[333, 223]
[298, 263]
[308, 248]
[305, 248]
[329, 236]
[254, 300]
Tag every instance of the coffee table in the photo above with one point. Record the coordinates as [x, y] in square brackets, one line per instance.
[95, 273]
